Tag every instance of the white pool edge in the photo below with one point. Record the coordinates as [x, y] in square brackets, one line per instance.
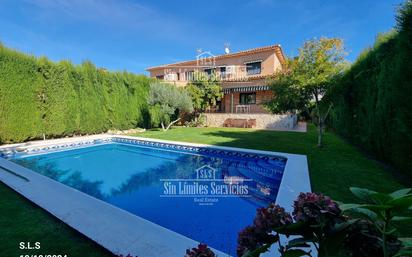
[115, 229]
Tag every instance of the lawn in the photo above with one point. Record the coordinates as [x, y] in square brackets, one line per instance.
[332, 170]
[22, 221]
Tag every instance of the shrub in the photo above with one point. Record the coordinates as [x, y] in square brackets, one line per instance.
[371, 103]
[20, 116]
[320, 222]
[39, 97]
[167, 101]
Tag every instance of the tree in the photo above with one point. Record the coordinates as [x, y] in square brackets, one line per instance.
[289, 96]
[308, 77]
[168, 100]
[205, 91]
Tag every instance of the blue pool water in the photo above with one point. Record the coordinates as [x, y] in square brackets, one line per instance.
[132, 177]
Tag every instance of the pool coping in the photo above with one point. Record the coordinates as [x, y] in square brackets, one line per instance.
[118, 230]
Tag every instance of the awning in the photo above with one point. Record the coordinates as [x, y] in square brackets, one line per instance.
[245, 89]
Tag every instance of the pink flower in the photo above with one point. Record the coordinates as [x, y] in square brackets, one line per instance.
[312, 208]
[201, 251]
[271, 217]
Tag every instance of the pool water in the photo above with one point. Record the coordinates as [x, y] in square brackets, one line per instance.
[131, 177]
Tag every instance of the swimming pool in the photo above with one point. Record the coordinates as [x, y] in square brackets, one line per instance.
[138, 175]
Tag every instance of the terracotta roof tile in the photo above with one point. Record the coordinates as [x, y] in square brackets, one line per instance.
[277, 48]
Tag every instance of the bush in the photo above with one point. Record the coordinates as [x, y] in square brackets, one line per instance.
[166, 101]
[318, 222]
[39, 97]
[371, 102]
[20, 97]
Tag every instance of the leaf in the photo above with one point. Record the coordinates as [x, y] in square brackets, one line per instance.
[294, 253]
[344, 225]
[362, 193]
[390, 231]
[299, 242]
[334, 241]
[370, 196]
[297, 228]
[381, 198]
[257, 252]
[348, 206]
[406, 242]
[402, 203]
[376, 207]
[400, 193]
[357, 208]
[400, 218]
[403, 253]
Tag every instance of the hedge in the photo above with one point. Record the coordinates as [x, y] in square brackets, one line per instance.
[39, 97]
[372, 103]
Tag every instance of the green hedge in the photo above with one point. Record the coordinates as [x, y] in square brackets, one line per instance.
[39, 97]
[372, 103]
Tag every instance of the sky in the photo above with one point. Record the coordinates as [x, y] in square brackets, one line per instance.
[133, 35]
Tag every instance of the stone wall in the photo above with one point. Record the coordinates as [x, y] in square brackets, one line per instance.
[263, 121]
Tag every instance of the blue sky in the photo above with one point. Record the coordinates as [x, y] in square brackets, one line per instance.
[132, 35]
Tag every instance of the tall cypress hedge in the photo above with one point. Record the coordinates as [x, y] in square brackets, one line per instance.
[20, 105]
[372, 103]
[39, 97]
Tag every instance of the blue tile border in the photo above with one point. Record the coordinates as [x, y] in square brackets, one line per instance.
[200, 150]
[210, 151]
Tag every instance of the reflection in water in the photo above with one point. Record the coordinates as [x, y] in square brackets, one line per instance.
[130, 177]
[71, 178]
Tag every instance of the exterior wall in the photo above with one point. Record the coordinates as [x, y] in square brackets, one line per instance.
[270, 64]
[270, 58]
[263, 121]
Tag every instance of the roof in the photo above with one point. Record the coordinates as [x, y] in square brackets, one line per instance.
[277, 48]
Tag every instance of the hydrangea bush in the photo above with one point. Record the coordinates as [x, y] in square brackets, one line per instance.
[319, 223]
[319, 226]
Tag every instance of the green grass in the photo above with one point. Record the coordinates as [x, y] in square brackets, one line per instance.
[333, 169]
[22, 221]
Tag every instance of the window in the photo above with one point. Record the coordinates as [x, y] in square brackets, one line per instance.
[160, 77]
[253, 68]
[170, 76]
[247, 98]
[189, 75]
[208, 71]
[178, 76]
[223, 72]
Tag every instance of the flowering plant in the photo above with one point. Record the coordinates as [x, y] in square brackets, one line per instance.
[200, 251]
[314, 217]
[318, 223]
[318, 227]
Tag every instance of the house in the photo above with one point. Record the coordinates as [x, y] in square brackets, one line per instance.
[242, 74]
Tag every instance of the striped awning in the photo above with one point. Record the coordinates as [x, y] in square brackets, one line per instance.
[245, 89]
